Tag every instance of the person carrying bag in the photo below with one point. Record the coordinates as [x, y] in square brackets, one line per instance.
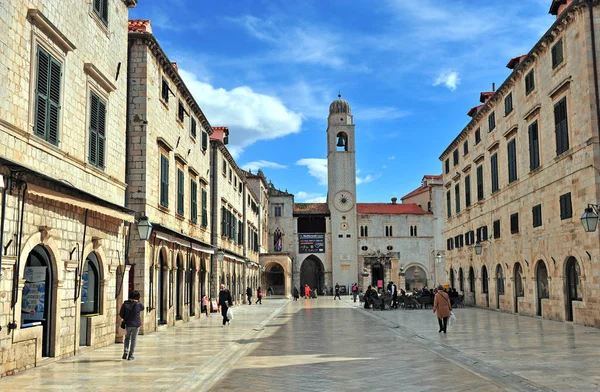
[441, 306]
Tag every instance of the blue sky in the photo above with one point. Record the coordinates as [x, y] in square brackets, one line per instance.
[411, 70]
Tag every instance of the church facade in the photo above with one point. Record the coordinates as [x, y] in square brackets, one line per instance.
[345, 242]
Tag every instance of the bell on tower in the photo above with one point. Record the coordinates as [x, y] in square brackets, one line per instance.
[342, 142]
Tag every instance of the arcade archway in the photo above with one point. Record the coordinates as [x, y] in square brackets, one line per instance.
[275, 276]
[312, 273]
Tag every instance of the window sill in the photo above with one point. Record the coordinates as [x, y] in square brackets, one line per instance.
[556, 69]
[99, 22]
[163, 208]
[179, 216]
[165, 103]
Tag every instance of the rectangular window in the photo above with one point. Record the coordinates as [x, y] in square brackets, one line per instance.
[557, 53]
[482, 233]
[512, 160]
[492, 121]
[101, 10]
[180, 111]
[514, 223]
[47, 96]
[561, 126]
[194, 201]
[164, 181]
[455, 157]
[565, 206]
[494, 169]
[468, 238]
[479, 182]
[204, 208]
[529, 82]
[447, 163]
[164, 92]
[534, 146]
[536, 211]
[230, 174]
[224, 167]
[467, 190]
[466, 147]
[193, 127]
[508, 104]
[277, 210]
[97, 131]
[496, 228]
[477, 136]
[180, 191]
[457, 197]
[449, 244]
[204, 141]
[448, 204]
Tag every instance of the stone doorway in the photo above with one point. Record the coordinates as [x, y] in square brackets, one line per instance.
[519, 291]
[311, 274]
[541, 276]
[573, 275]
[276, 279]
[415, 278]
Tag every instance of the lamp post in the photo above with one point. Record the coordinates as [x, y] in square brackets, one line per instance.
[144, 228]
[589, 219]
[478, 248]
[438, 258]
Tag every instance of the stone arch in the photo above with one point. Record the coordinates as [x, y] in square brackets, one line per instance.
[542, 277]
[178, 276]
[276, 277]
[105, 275]
[312, 271]
[574, 284]
[341, 141]
[411, 281]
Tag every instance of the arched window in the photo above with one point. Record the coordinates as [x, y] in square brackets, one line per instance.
[461, 280]
[342, 141]
[278, 240]
[90, 285]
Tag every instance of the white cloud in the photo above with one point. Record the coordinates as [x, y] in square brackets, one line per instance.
[317, 167]
[306, 197]
[392, 157]
[254, 166]
[383, 113]
[449, 79]
[250, 116]
[368, 178]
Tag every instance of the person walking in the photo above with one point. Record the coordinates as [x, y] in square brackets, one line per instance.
[225, 302]
[325, 289]
[355, 291]
[296, 293]
[441, 306]
[249, 294]
[337, 292]
[130, 313]
[259, 296]
[306, 291]
[270, 291]
[394, 296]
[205, 305]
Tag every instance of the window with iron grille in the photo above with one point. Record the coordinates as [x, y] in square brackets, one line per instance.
[529, 82]
[164, 181]
[194, 201]
[496, 227]
[97, 131]
[534, 146]
[101, 10]
[479, 182]
[561, 126]
[494, 169]
[536, 211]
[508, 104]
[180, 191]
[467, 190]
[477, 136]
[492, 121]
[47, 97]
[565, 206]
[514, 223]
[557, 53]
[512, 160]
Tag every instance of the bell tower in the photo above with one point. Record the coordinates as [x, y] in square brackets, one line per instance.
[341, 196]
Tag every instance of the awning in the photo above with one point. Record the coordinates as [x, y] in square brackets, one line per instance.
[50, 194]
[181, 242]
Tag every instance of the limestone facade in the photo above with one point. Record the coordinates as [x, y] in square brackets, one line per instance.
[539, 170]
[168, 166]
[62, 149]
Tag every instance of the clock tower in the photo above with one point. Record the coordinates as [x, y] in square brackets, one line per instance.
[341, 196]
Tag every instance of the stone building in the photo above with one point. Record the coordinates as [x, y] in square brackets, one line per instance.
[344, 242]
[521, 172]
[62, 165]
[235, 207]
[168, 177]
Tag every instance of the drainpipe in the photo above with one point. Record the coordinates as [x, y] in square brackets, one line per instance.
[20, 203]
[2, 219]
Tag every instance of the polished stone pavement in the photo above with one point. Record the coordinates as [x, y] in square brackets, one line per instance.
[328, 345]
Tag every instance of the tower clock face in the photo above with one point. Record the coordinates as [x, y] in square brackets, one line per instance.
[343, 201]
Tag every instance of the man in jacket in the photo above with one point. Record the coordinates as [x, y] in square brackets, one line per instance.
[337, 292]
[224, 303]
[249, 295]
[130, 313]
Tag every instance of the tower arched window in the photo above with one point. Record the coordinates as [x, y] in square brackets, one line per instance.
[341, 141]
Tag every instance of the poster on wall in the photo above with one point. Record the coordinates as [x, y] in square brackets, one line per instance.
[34, 293]
[311, 243]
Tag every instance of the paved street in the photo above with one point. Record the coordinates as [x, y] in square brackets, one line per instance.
[331, 345]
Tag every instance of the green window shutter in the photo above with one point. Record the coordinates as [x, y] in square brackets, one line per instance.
[101, 132]
[43, 77]
[193, 127]
[204, 141]
[104, 15]
[164, 181]
[180, 192]
[54, 101]
[193, 200]
[204, 209]
[93, 130]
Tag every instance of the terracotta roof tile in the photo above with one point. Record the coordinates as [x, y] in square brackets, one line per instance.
[515, 61]
[140, 26]
[474, 110]
[417, 191]
[434, 176]
[392, 209]
[484, 96]
[311, 209]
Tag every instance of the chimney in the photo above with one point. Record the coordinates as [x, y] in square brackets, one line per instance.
[394, 200]
[220, 133]
[558, 6]
[493, 87]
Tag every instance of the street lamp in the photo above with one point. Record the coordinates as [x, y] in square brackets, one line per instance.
[438, 258]
[249, 263]
[144, 228]
[478, 248]
[589, 219]
[220, 255]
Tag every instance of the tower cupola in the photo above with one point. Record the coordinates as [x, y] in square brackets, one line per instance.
[339, 106]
